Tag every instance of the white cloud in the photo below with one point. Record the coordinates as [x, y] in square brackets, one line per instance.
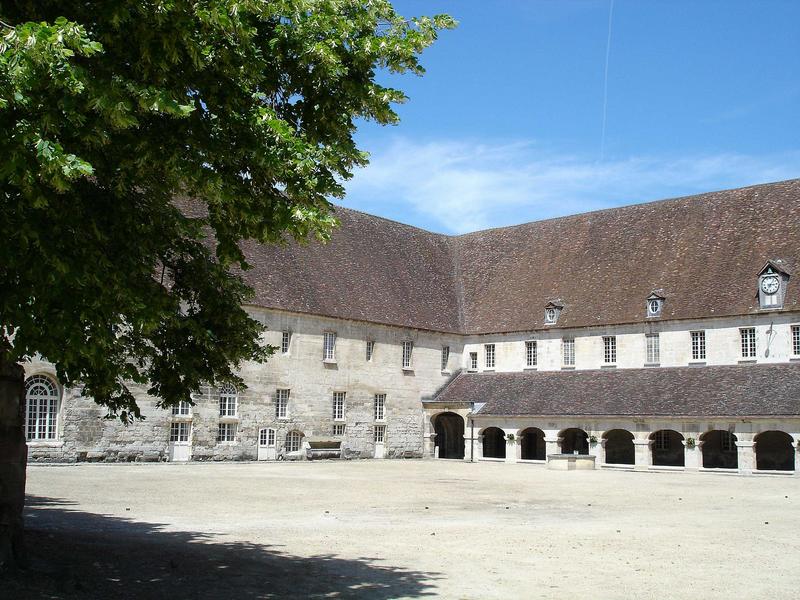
[458, 186]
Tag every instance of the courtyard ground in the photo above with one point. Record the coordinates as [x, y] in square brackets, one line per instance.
[405, 529]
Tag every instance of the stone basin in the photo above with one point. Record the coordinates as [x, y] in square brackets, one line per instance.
[570, 462]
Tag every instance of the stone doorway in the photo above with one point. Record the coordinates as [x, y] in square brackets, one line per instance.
[449, 429]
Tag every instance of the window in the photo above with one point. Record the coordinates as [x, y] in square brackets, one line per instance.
[662, 440]
[294, 441]
[228, 400]
[226, 432]
[266, 437]
[473, 361]
[609, 349]
[728, 442]
[653, 348]
[796, 340]
[654, 307]
[698, 345]
[445, 357]
[568, 352]
[380, 433]
[370, 349]
[282, 404]
[182, 409]
[748, 342]
[41, 408]
[488, 352]
[408, 348]
[550, 315]
[286, 337]
[329, 346]
[338, 429]
[380, 407]
[179, 432]
[338, 406]
[530, 354]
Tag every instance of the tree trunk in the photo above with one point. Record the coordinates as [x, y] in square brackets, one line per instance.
[13, 461]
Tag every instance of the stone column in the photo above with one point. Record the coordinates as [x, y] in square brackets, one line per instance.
[430, 446]
[693, 455]
[479, 447]
[746, 456]
[552, 445]
[511, 445]
[643, 456]
[598, 449]
[796, 457]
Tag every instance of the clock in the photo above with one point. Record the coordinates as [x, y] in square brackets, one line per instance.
[770, 285]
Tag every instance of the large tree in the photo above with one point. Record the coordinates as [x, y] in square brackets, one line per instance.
[109, 111]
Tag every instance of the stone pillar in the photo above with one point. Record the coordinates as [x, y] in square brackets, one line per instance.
[796, 457]
[430, 449]
[552, 445]
[746, 456]
[693, 455]
[479, 447]
[511, 445]
[598, 449]
[13, 462]
[643, 456]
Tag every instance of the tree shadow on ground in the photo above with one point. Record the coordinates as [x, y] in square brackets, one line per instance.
[76, 554]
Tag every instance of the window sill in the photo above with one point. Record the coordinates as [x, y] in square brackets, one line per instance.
[652, 365]
[281, 418]
[567, 367]
[233, 443]
[181, 418]
[472, 370]
[228, 419]
[489, 370]
[446, 372]
[747, 361]
[408, 369]
[697, 363]
[608, 366]
[45, 443]
[531, 369]
[794, 359]
[329, 361]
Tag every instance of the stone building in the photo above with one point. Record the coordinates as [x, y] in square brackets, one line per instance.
[663, 335]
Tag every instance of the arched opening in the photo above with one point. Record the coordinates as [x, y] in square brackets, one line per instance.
[294, 441]
[619, 447]
[41, 408]
[494, 443]
[449, 429]
[532, 444]
[667, 448]
[719, 450]
[774, 451]
[574, 439]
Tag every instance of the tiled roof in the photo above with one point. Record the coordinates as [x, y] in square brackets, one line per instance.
[724, 391]
[702, 253]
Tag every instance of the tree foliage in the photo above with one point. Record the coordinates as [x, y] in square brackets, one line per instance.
[111, 110]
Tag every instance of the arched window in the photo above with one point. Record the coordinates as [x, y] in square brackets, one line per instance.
[293, 441]
[228, 400]
[41, 408]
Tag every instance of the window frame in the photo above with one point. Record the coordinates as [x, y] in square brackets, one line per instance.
[408, 354]
[379, 434]
[609, 349]
[473, 362]
[296, 438]
[698, 341]
[379, 408]
[749, 346]
[489, 356]
[795, 340]
[568, 352]
[180, 432]
[531, 353]
[445, 358]
[370, 350]
[329, 346]
[231, 432]
[228, 396]
[652, 348]
[338, 429]
[45, 425]
[286, 341]
[282, 403]
[339, 405]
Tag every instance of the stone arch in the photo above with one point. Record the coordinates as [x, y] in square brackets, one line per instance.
[619, 447]
[573, 439]
[774, 451]
[494, 443]
[719, 450]
[667, 448]
[449, 429]
[532, 445]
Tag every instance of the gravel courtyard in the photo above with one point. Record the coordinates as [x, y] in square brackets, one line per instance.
[405, 529]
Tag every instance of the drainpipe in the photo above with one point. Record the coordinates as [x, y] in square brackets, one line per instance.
[472, 434]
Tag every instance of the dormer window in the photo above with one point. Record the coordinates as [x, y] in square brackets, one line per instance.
[655, 304]
[772, 285]
[552, 311]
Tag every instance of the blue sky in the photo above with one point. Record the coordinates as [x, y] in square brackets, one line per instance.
[506, 125]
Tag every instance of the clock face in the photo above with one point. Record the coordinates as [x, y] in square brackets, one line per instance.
[770, 285]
